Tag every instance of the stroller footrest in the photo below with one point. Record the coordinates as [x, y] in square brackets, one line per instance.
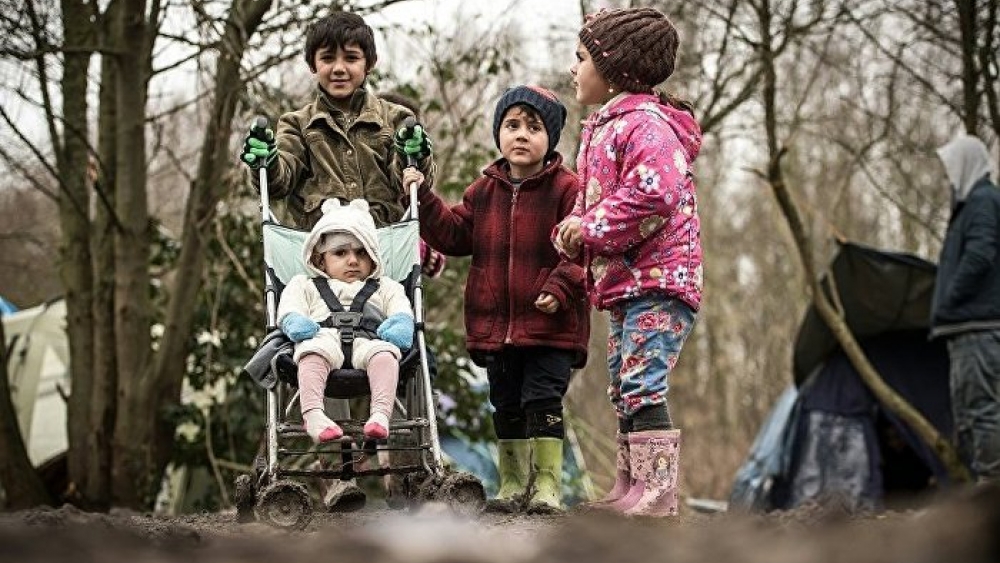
[352, 428]
[337, 474]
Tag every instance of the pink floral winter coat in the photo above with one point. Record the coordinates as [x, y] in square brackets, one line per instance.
[637, 204]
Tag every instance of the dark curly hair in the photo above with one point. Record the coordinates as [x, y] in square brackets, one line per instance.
[336, 31]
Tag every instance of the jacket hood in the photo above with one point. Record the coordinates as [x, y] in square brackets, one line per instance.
[683, 123]
[966, 161]
[353, 218]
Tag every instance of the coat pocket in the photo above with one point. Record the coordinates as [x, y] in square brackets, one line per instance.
[480, 304]
[551, 326]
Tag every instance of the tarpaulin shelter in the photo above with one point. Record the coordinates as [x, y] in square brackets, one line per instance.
[829, 435]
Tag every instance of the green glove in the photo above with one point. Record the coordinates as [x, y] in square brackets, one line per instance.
[259, 149]
[412, 141]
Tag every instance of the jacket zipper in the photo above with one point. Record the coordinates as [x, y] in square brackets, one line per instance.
[510, 272]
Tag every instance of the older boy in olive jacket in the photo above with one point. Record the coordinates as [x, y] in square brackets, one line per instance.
[347, 143]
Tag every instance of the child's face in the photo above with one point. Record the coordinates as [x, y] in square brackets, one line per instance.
[591, 87]
[347, 263]
[340, 71]
[523, 139]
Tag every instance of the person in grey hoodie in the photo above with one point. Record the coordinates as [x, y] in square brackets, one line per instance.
[966, 306]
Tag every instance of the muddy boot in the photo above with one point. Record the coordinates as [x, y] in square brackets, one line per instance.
[655, 459]
[546, 456]
[514, 457]
[342, 496]
[623, 476]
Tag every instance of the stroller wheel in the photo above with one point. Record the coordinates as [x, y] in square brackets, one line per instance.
[421, 488]
[463, 493]
[285, 504]
[244, 496]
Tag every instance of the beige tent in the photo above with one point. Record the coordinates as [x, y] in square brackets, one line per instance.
[38, 368]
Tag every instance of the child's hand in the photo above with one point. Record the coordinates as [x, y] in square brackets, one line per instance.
[411, 175]
[547, 303]
[431, 261]
[570, 236]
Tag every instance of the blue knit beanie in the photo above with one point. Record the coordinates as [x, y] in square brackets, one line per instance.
[543, 101]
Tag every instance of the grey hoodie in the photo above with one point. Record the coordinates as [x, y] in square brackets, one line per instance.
[967, 292]
[966, 161]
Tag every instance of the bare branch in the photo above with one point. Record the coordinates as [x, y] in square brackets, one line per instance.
[15, 163]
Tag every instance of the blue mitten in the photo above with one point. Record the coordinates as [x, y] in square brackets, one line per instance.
[298, 327]
[398, 330]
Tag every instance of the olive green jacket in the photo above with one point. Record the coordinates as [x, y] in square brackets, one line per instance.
[323, 153]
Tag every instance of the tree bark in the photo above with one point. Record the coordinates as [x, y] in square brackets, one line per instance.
[100, 421]
[75, 264]
[132, 475]
[970, 75]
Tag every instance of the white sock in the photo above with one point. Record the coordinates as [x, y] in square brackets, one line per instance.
[319, 427]
[380, 419]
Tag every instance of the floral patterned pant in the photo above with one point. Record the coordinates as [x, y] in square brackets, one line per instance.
[646, 337]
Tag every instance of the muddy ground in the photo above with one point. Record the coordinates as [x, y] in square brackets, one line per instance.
[964, 528]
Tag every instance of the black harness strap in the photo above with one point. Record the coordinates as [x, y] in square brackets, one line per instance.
[348, 322]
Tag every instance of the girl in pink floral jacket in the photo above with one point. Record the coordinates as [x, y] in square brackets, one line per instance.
[636, 229]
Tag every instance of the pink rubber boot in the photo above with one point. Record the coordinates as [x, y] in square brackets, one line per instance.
[655, 459]
[623, 475]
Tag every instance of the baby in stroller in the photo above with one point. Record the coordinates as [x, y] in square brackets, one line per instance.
[319, 314]
[344, 315]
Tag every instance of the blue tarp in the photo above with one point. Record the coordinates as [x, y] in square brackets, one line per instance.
[768, 457]
[6, 307]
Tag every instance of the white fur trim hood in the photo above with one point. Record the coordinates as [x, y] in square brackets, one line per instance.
[352, 218]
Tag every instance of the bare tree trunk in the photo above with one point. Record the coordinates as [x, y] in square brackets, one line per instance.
[989, 63]
[132, 475]
[885, 394]
[102, 401]
[23, 485]
[970, 76]
[206, 191]
[75, 269]
[103, 405]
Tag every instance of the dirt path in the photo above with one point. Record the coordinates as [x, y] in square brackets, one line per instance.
[965, 529]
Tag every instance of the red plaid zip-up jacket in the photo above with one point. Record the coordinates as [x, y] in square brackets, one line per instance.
[507, 233]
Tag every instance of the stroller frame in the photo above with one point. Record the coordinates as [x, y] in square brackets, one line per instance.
[268, 494]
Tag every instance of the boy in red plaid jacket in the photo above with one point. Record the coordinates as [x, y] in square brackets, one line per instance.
[526, 314]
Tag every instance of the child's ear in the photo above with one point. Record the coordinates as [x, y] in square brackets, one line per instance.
[371, 64]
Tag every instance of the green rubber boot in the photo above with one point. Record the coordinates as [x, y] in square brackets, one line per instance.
[547, 460]
[514, 458]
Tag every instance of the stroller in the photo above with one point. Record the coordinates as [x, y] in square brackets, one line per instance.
[268, 493]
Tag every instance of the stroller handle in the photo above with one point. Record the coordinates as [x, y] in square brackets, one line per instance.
[408, 124]
[411, 162]
[259, 131]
